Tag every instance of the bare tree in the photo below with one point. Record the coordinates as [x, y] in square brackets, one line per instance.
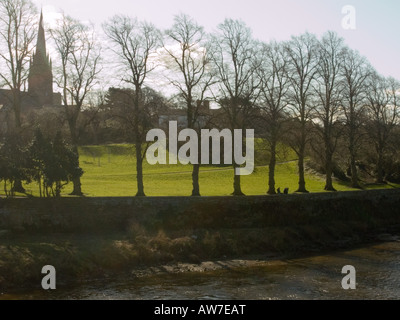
[273, 99]
[233, 55]
[79, 54]
[18, 28]
[134, 43]
[90, 119]
[302, 68]
[328, 92]
[186, 48]
[383, 111]
[355, 71]
[17, 34]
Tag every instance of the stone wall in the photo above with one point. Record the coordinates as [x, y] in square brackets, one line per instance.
[83, 215]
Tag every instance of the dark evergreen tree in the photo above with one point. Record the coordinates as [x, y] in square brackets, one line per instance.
[13, 164]
[53, 163]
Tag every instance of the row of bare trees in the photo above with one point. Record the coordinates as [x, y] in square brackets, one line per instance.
[299, 89]
[306, 92]
[325, 89]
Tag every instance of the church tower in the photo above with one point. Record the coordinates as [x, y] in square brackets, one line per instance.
[40, 79]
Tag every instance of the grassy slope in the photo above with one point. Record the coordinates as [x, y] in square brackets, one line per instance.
[110, 171]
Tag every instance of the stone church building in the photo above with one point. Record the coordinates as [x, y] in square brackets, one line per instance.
[40, 97]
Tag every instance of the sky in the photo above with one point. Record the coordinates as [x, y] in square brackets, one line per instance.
[376, 34]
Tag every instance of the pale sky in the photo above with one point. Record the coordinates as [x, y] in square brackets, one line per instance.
[377, 33]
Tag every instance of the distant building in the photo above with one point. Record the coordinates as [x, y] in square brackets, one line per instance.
[180, 116]
[40, 93]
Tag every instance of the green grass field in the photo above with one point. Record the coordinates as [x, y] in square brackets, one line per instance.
[110, 171]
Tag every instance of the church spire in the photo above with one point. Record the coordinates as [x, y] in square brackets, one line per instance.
[41, 40]
[40, 80]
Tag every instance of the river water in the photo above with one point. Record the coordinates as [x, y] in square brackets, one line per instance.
[319, 277]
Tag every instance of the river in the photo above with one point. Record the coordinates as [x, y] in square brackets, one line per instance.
[318, 277]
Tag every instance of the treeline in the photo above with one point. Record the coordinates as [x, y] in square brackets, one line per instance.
[316, 95]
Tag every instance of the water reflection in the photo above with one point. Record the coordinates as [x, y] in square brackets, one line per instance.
[378, 277]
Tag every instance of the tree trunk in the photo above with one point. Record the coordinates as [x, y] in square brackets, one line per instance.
[195, 180]
[139, 170]
[191, 125]
[17, 117]
[17, 109]
[271, 174]
[301, 153]
[18, 125]
[138, 142]
[77, 190]
[72, 119]
[329, 171]
[379, 167]
[58, 189]
[328, 178]
[302, 181]
[40, 187]
[353, 166]
[352, 148]
[354, 173]
[237, 190]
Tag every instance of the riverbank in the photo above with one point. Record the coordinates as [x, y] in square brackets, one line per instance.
[80, 258]
[312, 277]
[176, 236]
